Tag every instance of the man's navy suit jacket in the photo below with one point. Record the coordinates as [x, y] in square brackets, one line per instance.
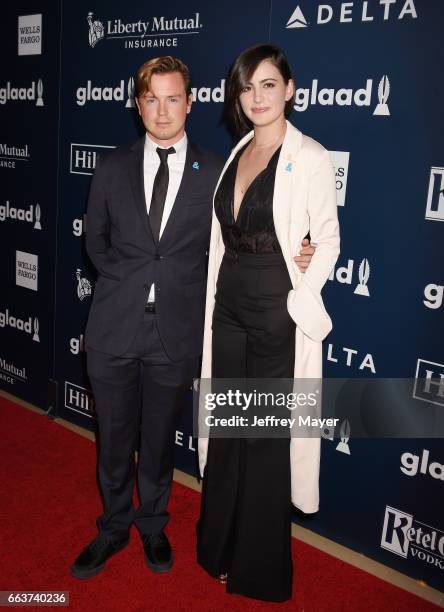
[121, 246]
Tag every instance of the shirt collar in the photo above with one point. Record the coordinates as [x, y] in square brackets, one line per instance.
[180, 146]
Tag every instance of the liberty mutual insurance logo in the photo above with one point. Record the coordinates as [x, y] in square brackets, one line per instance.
[96, 30]
[84, 287]
[157, 31]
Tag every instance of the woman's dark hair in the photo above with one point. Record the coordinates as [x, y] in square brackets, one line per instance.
[241, 73]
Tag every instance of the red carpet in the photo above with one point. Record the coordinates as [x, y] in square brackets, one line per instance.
[49, 502]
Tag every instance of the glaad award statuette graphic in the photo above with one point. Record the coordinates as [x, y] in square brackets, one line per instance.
[344, 432]
[383, 94]
[36, 330]
[39, 93]
[84, 288]
[96, 30]
[364, 273]
[38, 215]
[130, 90]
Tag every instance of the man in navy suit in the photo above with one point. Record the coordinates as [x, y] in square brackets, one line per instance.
[149, 219]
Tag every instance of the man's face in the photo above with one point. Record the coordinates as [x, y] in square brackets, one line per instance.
[164, 108]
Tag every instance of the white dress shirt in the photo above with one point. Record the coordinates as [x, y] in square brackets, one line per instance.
[176, 165]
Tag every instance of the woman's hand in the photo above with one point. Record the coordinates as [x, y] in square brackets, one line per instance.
[306, 253]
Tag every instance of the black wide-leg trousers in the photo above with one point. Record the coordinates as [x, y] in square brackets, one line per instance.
[139, 397]
[245, 523]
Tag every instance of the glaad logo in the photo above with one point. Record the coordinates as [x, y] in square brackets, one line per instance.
[340, 161]
[27, 270]
[349, 358]
[77, 345]
[27, 326]
[344, 430]
[84, 157]
[144, 33]
[344, 96]
[349, 12]
[405, 536]
[79, 226]
[429, 383]
[435, 197]
[96, 30]
[79, 399]
[84, 287]
[22, 93]
[30, 34]
[90, 93]
[31, 214]
[209, 94]
[433, 294]
[344, 275]
[9, 155]
[10, 373]
[410, 464]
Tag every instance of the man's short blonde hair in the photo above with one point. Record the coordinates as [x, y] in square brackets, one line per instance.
[161, 65]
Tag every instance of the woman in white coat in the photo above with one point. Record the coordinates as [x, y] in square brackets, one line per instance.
[264, 319]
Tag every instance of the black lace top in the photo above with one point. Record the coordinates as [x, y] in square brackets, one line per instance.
[253, 231]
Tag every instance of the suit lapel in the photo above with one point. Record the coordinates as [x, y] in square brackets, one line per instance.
[137, 183]
[190, 174]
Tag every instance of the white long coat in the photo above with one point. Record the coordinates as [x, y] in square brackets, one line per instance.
[304, 199]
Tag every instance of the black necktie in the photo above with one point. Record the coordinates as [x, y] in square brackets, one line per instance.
[160, 188]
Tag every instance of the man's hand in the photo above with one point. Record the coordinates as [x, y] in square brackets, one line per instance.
[303, 260]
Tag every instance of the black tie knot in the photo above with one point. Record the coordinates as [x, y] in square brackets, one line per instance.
[163, 153]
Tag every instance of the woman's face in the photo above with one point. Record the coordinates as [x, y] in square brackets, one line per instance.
[263, 98]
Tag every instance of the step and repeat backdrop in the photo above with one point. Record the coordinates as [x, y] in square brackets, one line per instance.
[370, 89]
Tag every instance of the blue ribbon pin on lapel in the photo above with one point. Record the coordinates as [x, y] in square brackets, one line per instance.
[196, 165]
[289, 167]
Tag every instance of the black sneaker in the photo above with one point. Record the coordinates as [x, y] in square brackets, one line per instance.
[158, 553]
[93, 558]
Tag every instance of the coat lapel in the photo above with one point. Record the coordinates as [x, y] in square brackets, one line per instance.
[137, 183]
[285, 210]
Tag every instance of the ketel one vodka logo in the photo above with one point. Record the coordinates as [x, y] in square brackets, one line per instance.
[96, 30]
[84, 287]
[34, 92]
[328, 96]
[405, 536]
[30, 214]
[29, 326]
[91, 93]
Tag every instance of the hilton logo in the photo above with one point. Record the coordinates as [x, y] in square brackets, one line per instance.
[435, 197]
[429, 383]
[84, 157]
[79, 399]
[404, 536]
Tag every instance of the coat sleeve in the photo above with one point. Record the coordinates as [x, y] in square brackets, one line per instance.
[98, 220]
[304, 302]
